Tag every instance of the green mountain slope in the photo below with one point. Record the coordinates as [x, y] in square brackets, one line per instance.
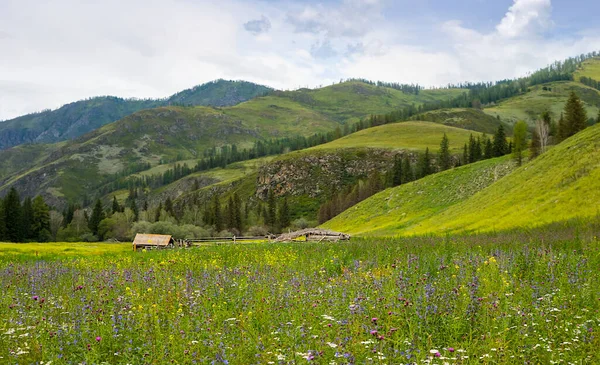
[473, 119]
[589, 68]
[159, 135]
[561, 184]
[409, 136]
[76, 119]
[547, 97]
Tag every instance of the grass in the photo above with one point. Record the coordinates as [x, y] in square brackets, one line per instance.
[54, 250]
[590, 68]
[530, 106]
[466, 118]
[559, 185]
[401, 210]
[523, 296]
[412, 136]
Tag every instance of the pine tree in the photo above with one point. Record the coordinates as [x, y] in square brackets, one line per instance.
[519, 141]
[425, 164]
[27, 211]
[157, 212]
[134, 209]
[230, 213]
[284, 214]
[169, 206]
[271, 217]
[500, 146]
[563, 128]
[575, 115]
[69, 215]
[216, 213]
[116, 208]
[237, 213]
[96, 217]
[13, 216]
[488, 149]
[598, 117]
[41, 220]
[397, 172]
[444, 153]
[407, 174]
[465, 154]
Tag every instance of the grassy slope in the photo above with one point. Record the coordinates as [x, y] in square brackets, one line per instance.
[531, 105]
[414, 136]
[466, 118]
[590, 68]
[399, 210]
[562, 184]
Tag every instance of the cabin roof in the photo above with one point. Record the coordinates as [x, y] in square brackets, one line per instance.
[142, 239]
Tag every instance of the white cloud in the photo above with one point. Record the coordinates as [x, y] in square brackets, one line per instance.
[526, 17]
[56, 52]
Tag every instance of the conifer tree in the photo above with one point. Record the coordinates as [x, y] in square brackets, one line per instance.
[169, 206]
[465, 154]
[116, 208]
[238, 218]
[217, 219]
[134, 209]
[407, 172]
[41, 219]
[575, 115]
[157, 212]
[271, 217]
[563, 128]
[520, 141]
[500, 146]
[27, 219]
[284, 214]
[397, 172]
[488, 148]
[425, 164]
[13, 216]
[444, 154]
[96, 217]
[598, 117]
[68, 215]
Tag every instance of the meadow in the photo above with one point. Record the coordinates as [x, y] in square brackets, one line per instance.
[522, 296]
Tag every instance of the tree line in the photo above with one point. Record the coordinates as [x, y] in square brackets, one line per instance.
[24, 221]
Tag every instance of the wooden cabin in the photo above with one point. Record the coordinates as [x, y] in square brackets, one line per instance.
[313, 234]
[152, 241]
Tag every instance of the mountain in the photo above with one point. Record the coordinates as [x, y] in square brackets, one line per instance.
[309, 177]
[561, 184]
[151, 137]
[75, 119]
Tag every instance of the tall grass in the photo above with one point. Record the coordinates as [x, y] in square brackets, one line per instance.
[499, 298]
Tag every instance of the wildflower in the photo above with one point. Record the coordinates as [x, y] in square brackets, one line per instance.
[451, 349]
[98, 339]
[35, 297]
[373, 332]
[374, 319]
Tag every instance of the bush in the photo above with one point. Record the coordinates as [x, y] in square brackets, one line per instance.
[257, 231]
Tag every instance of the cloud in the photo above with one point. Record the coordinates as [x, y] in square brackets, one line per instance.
[525, 18]
[262, 25]
[352, 19]
[323, 50]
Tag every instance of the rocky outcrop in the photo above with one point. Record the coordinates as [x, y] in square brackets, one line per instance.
[323, 172]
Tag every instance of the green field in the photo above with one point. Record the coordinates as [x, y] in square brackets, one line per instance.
[515, 297]
[472, 119]
[411, 136]
[559, 185]
[590, 68]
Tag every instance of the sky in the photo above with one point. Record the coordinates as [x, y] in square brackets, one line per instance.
[53, 52]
